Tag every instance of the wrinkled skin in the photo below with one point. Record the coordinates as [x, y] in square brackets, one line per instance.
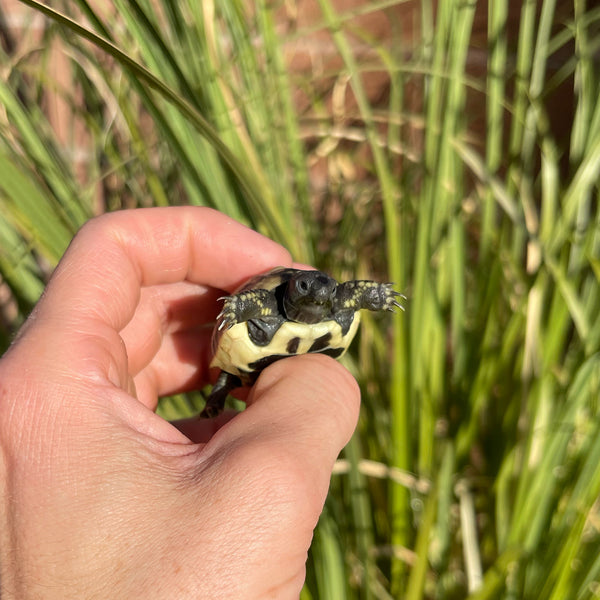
[100, 497]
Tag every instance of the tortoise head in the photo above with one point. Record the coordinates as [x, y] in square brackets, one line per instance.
[308, 297]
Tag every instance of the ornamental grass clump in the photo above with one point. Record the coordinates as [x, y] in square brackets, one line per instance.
[452, 148]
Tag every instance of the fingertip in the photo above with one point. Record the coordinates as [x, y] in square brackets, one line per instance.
[316, 392]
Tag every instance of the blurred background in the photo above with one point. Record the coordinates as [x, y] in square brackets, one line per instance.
[451, 147]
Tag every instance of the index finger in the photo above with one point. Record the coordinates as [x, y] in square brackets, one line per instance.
[113, 256]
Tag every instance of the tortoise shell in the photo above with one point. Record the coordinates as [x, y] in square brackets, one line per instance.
[235, 351]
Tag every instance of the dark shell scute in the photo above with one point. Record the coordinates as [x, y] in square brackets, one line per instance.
[333, 352]
[262, 363]
[292, 345]
[320, 343]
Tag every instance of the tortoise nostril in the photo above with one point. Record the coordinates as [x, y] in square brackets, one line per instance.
[303, 285]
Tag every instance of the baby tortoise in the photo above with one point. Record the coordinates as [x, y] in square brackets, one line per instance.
[282, 313]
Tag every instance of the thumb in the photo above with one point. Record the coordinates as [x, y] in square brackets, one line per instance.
[301, 412]
[268, 470]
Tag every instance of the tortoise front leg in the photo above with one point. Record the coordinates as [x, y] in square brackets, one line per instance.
[354, 295]
[256, 307]
[254, 304]
[351, 296]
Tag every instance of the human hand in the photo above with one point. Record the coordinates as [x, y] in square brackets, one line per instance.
[100, 497]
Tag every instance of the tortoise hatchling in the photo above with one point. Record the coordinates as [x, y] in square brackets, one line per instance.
[285, 312]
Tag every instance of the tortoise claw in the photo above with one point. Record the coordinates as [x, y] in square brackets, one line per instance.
[227, 317]
[391, 295]
[394, 303]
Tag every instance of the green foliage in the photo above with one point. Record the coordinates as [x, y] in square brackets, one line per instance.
[463, 184]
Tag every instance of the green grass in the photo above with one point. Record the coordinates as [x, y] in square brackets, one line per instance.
[474, 470]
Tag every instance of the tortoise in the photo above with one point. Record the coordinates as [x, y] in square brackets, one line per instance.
[282, 313]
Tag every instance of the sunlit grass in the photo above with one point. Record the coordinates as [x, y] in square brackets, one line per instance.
[480, 412]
